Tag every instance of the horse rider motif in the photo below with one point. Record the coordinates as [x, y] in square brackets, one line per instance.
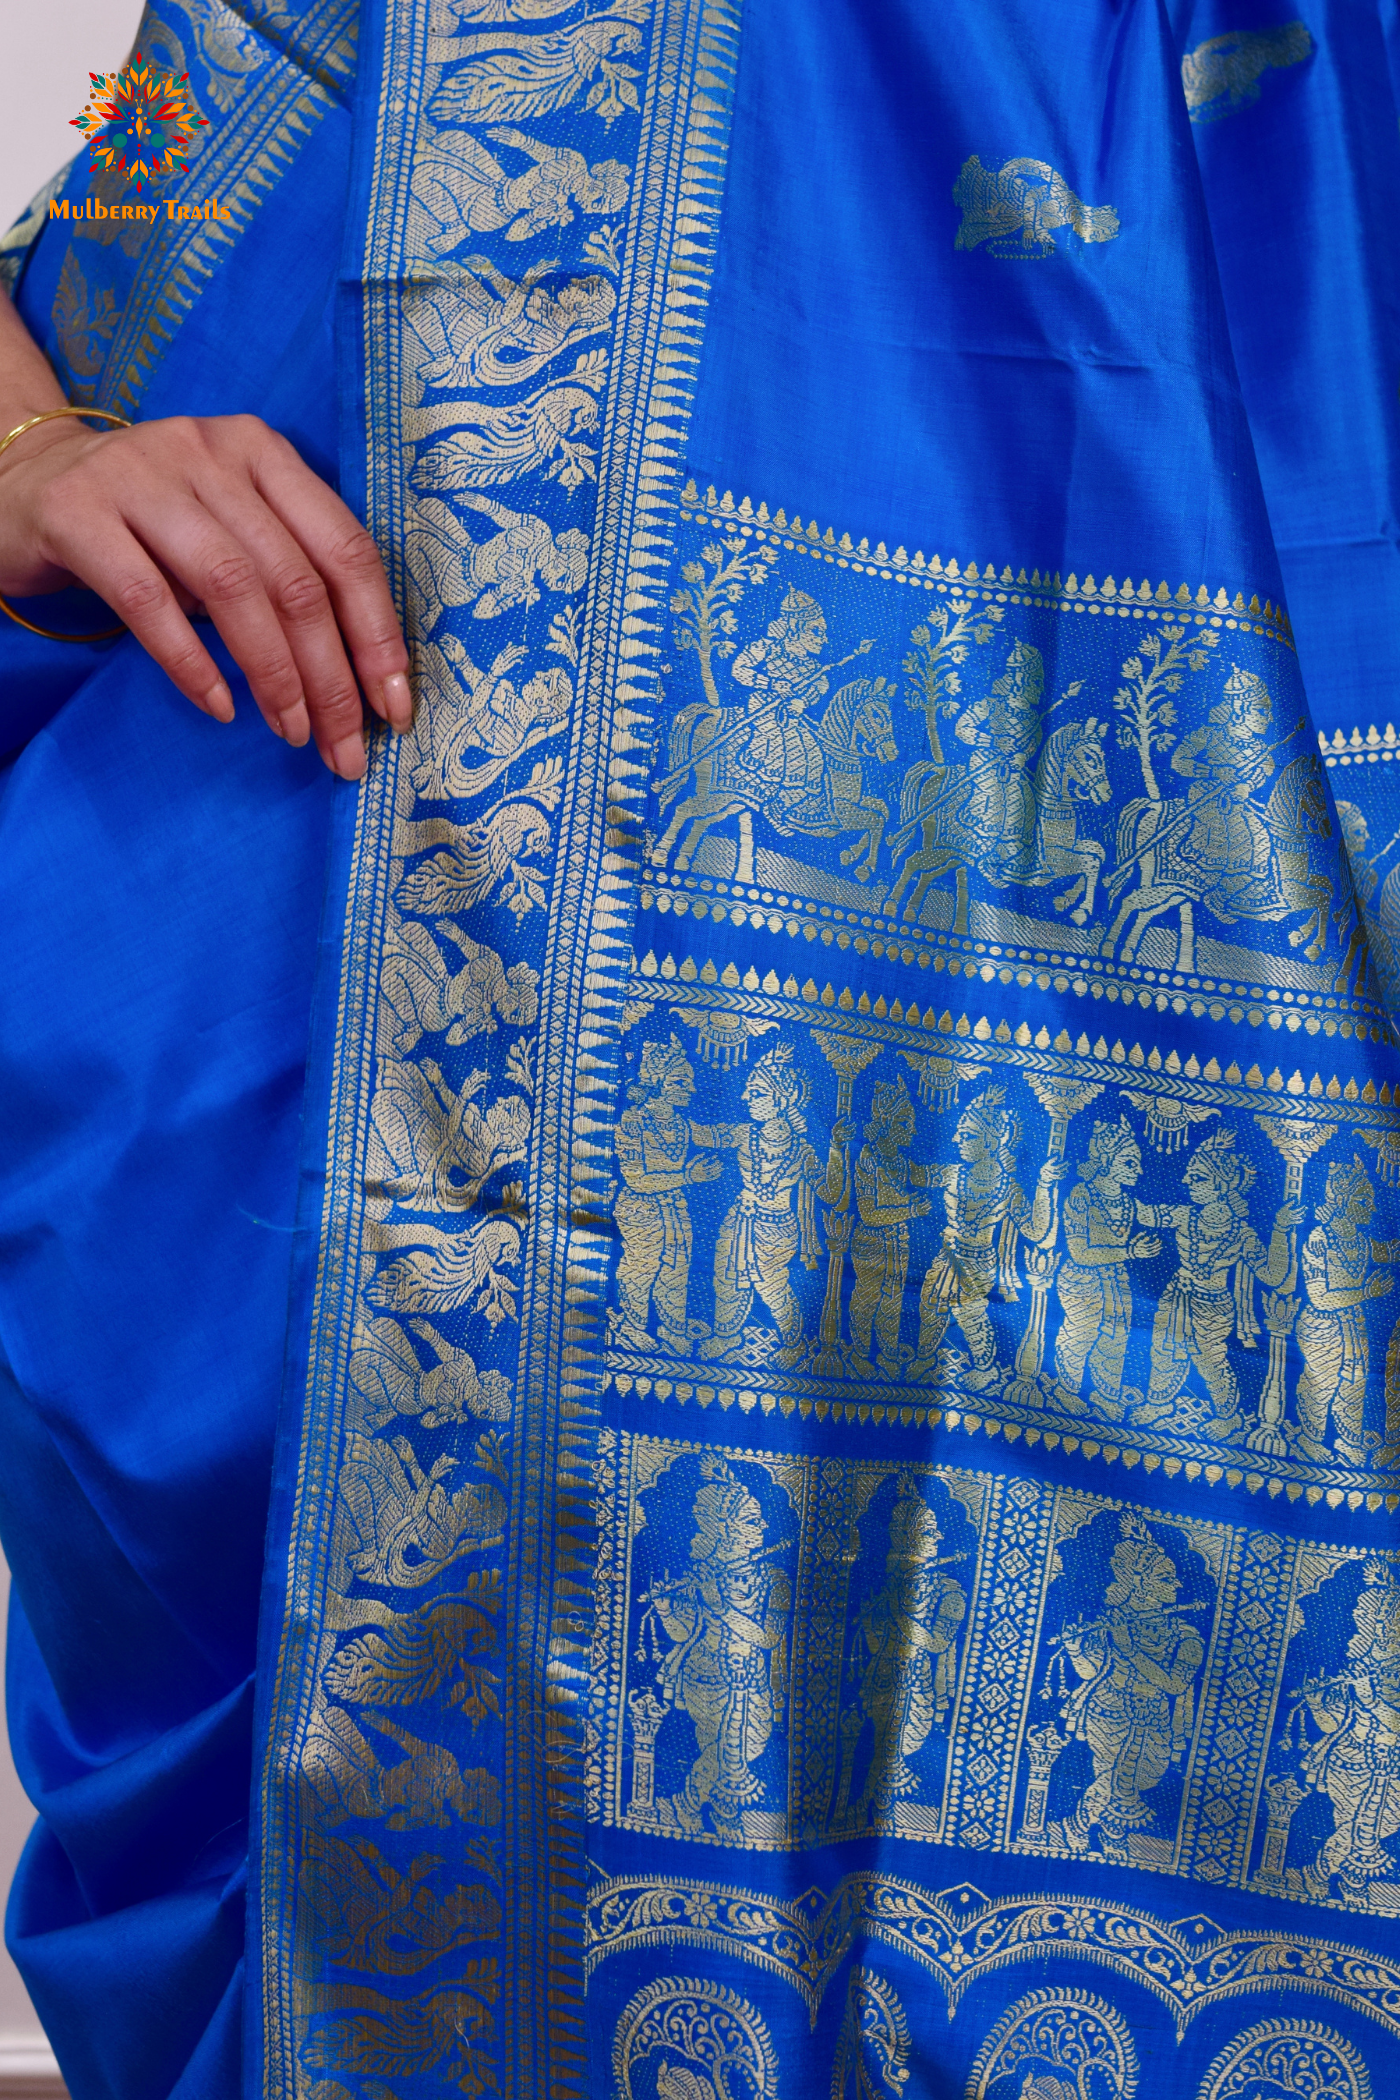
[1215, 847]
[783, 674]
[802, 772]
[993, 814]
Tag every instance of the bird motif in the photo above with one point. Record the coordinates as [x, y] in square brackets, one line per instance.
[232, 49]
[493, 445]
[447, 15]
[388, 1376]
[452, 1271]
[407, 1527]
[459, 183]
[531, 76]
[482, 328]
[484, 857]
[492, 576]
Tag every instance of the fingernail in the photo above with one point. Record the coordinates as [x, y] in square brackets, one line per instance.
[218, 702]
[398, 701]
[295, 725]
[348, 757]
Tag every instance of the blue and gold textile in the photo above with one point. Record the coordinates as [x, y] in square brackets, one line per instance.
[833, 1519]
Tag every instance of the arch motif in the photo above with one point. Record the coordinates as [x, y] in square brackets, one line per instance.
[716, 2046]
[1289, 2058]
[1069, 2044]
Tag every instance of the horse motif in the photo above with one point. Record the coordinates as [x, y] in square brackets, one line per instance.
[820, 792]
[1037, 841]
[1300, 875]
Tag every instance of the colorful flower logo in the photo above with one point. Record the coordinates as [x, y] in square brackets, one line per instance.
[140, 121]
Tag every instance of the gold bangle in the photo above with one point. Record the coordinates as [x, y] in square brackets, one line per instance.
[51, 415]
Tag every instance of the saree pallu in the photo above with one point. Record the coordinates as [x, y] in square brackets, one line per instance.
[867, 490]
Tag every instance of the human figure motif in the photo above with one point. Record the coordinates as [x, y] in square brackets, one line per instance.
[1356, 1764]
[782, 671]
[1338, 1277]
[1197, 1312]
[1134, 1703]
[910, 1629]
[885, 1183]
[1003, 729]
[1380, 900]
[987, 1214]
[1096, 1297]
[1227, 843]
[726, 1618]
[653, 1217]
[775, 1216]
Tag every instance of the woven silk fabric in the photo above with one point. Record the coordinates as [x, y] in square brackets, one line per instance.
[833, 1515]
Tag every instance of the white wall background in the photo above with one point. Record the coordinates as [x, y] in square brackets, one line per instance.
[47, 50]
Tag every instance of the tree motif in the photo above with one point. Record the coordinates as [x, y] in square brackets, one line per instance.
[1146, 716]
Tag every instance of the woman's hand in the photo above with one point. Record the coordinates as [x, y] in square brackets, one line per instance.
[217, 515]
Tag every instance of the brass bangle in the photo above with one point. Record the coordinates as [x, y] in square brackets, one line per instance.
[51, 415]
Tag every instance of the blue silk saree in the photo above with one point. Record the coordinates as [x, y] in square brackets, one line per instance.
[701, 1397]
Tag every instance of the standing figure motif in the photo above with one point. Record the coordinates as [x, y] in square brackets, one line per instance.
[1134, 1705]
[1003, 728]
[653, 1217]
[726, 1618]
[885, 1182]
[1096, 1297]
[910, 1629]
[1356, 1764]
[775, 1216]
[1227, 845]
[1198, 1312]
[1339, 1278]
[987, 1214]
[783, 674]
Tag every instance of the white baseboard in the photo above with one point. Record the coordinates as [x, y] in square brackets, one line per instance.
[28, 2070]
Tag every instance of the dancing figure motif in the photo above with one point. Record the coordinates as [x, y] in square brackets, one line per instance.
[987, 1214]
[1199, 1312]
[1134, 1703]
[774, 1217]
[1338, 1277]
[726, 1619]
[1096, 1297]
[1356, 1761]
[910, 1629]
[886, 1184]
[653, 1216]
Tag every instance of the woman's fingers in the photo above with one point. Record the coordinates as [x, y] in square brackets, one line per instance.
[100, 549]
[347, 559]
[274, 610]
[221, 516]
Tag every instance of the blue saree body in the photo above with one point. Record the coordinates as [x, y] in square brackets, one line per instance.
[704, 1394]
